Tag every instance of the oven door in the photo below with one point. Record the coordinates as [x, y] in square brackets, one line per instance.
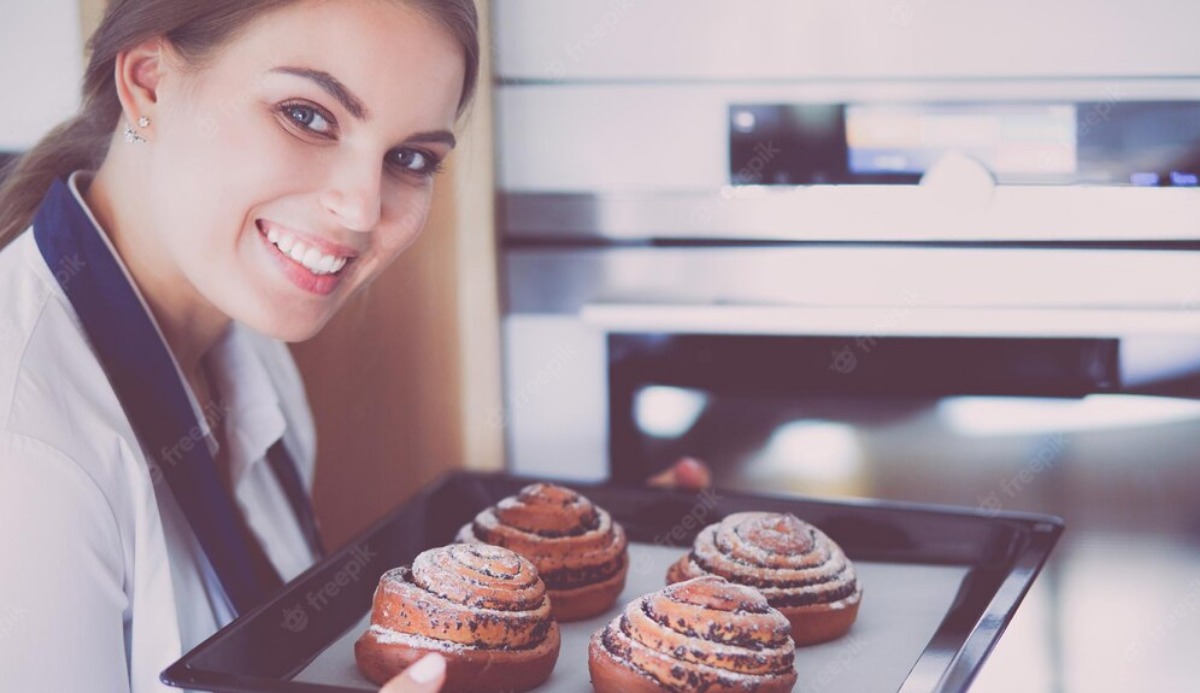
[1045, 425]
[563, 302]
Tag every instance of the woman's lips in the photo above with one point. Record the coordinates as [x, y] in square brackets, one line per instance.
[307, 262]
[317, 254]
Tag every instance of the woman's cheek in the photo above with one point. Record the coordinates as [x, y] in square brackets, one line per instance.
[410, 214]
[280, 156]
[257, 145]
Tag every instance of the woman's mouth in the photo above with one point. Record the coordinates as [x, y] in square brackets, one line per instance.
[309, 257]
[312, 264]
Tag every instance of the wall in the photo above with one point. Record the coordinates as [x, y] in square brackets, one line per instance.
[45, 33]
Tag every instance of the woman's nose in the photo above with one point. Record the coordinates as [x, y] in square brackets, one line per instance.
[353, 198]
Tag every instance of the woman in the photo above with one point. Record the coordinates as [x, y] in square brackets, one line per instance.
[238, 170]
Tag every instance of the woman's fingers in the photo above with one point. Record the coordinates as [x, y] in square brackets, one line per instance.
[425, 676]
[689, 474]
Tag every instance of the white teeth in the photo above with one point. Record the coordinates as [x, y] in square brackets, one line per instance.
[311, 258]
[297, 252]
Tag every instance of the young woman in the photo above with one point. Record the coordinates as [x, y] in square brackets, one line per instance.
[239, 169]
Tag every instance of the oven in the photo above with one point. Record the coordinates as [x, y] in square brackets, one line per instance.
[840, 250]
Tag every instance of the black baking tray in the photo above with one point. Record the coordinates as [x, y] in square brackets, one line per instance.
[998, 553]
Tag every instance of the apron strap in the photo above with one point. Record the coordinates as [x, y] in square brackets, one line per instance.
[289, 478]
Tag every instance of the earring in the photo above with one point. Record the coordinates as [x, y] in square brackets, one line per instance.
[131, 136]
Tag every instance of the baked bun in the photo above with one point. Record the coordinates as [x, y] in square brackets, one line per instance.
[579, 552]
[799, 569]
[482, 607]
[704, 634]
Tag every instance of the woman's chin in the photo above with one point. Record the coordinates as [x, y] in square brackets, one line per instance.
[289, 329]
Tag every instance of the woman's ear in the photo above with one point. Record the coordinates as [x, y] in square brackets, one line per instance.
[138, 76]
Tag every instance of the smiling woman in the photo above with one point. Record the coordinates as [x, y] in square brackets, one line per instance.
[237, 173]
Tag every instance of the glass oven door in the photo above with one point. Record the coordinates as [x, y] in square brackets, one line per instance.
[1060, 426]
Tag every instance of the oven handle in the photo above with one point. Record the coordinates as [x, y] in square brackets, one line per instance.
[889, 321]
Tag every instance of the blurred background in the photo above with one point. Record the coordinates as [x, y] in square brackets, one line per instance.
[917, 250]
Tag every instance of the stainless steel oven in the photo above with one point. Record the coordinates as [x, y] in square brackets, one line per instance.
[874, 249]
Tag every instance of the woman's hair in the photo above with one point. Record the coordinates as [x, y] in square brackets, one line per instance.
[197, 29]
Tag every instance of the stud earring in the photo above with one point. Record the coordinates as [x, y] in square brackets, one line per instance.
[131, 136]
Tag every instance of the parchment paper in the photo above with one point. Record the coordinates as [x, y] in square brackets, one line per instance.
[901, 609]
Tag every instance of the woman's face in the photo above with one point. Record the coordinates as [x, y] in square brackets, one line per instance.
[289, 171]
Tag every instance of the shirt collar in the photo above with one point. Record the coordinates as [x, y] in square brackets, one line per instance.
[252, 417]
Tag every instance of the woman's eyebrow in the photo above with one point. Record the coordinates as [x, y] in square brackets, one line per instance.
[332, 86]
[436, 137]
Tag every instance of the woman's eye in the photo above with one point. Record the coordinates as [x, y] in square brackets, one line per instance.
[416, 160]
[308, 118]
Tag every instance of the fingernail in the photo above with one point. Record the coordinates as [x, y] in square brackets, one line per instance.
[427, 669]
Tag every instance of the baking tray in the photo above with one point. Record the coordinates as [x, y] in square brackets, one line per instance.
[940, 585]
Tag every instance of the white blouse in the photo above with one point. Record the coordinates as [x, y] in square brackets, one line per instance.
[103, 584]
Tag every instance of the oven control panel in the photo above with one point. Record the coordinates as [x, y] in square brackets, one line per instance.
[1110, 143]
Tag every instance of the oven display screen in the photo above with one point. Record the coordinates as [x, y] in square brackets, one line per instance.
[1125, 143]
[1033, 140]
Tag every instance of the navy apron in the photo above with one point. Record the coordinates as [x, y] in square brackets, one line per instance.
[143, 375]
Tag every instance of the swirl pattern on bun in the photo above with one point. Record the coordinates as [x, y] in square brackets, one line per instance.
[579, 551]
[705, 634]
[483, 607]
[799, 569]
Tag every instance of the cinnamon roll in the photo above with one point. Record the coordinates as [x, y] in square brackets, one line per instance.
[482, 607]
[799, 569]
[579, 552]
[704, 634]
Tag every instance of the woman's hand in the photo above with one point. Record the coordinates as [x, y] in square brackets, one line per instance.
[426, 676]
[688, 474]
